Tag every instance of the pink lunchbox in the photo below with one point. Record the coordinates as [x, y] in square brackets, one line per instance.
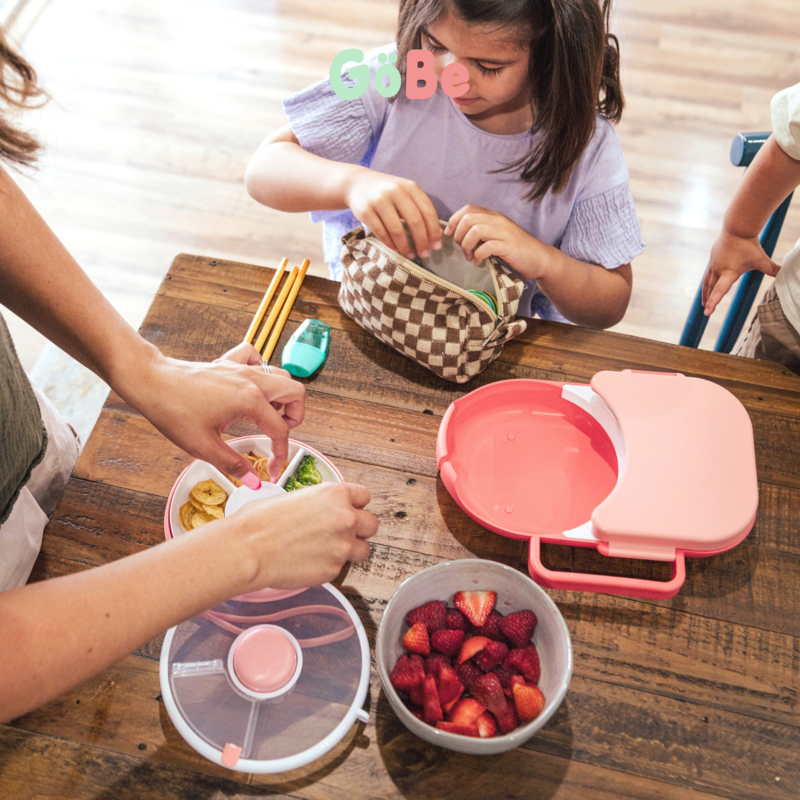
[638, 465]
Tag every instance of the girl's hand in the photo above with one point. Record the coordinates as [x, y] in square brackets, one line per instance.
[192, 403]
[383, 201]
[731, 257]
[306, 537]
[483, 233]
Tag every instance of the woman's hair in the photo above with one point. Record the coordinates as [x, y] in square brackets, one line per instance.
[18, 90]
[573, 72]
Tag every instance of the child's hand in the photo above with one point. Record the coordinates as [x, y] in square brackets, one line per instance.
[483, 233]
[383, 201]
[731, 257]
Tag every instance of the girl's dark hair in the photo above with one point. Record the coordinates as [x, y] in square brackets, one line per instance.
[573, 72]
[18, 90]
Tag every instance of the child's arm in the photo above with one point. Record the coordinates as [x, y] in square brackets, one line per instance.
[284, 176]
[586, 294]
[766, 184]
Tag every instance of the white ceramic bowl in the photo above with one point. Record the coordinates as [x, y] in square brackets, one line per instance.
[515, 592]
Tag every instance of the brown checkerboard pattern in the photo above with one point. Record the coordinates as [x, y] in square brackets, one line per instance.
[422, 319]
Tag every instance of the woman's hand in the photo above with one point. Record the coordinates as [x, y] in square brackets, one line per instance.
[731, 257]
[383, 201]
[192, 403]
[305, 537]
[483, 233]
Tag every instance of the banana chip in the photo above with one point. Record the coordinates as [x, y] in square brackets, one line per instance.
[261, 469]
[209, 493]
[186, 512]
[216, 512]
[199, 518]
[235, 481]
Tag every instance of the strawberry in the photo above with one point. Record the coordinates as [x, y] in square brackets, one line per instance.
[529, 701]
[491, 655]
[463, 730]
[435, 661]
[466, 711]
[416, 639]
[456, 620]
[417, 712]
[519, 627]
[433, 614]
[432, 709]
[407, 673]
[491, 627]
[475, 605]
[447, 641]
[504, 676]
[508, 719]
[449, 687]
[468, 673]
[526, 661]
[488, 692]
[487, 727]
[516, 679]
[417, 694]
[471, 648]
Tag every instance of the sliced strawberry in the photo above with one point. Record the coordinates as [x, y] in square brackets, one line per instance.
[462, 730]
[449, 687]
[516, 679]
[529, 701]
[447, 641]
[417, 640]
[491, 655]
[456, 620]
[466, 711]
[487, 727]
[435, 661]
[491, 627]
[417, 693]
[526, 661]
[432, 709]
[407, 673]
[468, 673]
[475, 605]
[504, 676]
[519, 627]
[470, 648]
[488, 692]
[433, 614]
[417, 712]
[508, 719]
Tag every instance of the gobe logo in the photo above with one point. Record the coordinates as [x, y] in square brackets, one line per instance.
[419, 69]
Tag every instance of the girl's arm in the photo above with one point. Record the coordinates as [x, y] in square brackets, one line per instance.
[58, 633]
[284, 176]
[769, 180]
[190, 403]
[586, 294]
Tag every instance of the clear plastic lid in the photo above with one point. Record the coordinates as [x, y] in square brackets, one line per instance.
[240, 710]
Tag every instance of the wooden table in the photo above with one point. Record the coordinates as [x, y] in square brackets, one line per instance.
[687, 698]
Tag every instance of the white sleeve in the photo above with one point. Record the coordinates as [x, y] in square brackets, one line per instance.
[785, 109]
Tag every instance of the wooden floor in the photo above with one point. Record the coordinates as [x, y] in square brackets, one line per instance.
[158, 105]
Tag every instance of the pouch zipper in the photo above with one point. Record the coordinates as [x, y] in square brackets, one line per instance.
[427, 275]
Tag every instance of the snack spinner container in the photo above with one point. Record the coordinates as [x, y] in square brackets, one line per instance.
[271, 680]
[639, 465]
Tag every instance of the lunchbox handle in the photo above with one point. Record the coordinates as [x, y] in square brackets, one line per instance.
[605, 584]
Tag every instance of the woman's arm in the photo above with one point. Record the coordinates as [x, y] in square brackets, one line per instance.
[769, 180]
[58, 633]
[190, 403]
[284, 176]
[586, 294]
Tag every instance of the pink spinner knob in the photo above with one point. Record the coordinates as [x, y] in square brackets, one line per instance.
[265, 661]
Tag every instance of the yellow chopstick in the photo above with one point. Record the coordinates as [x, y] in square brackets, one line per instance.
[276, 310]
[276, 334]
[262, 309]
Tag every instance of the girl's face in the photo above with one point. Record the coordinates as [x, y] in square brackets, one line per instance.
[497, 65]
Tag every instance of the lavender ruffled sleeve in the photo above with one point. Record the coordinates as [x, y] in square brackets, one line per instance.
[604, 229]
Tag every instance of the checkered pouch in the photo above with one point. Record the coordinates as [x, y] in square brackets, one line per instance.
[423, 316]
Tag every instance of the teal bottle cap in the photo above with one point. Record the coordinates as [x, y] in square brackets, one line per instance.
[307, 349]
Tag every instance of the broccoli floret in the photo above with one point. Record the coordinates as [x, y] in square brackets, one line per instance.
[307, 473]
[292, 484]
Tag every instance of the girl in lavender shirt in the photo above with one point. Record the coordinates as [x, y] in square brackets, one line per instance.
[525, 166]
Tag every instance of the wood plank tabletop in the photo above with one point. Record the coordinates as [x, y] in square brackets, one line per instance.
[687, 698]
